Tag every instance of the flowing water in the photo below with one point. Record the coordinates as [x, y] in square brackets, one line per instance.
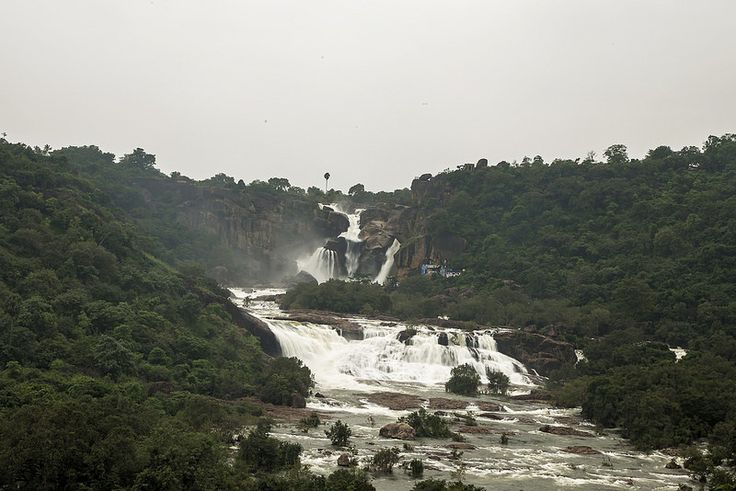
[324, 264]
[349, 372]
[388, 262]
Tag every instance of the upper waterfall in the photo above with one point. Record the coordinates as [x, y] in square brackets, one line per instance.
[340, 258]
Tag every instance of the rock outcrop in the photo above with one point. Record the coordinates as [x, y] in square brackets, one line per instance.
[256, 327]
[398, 431]
[536, 351]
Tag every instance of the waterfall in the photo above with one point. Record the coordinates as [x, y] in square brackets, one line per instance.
[352, 237]
[322, 265]
[388, 262]
[381, 358]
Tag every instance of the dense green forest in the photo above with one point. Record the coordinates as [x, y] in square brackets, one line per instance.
[624, 258]
[119, 368]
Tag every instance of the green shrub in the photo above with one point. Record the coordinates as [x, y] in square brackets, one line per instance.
[349, 480]
[498, 382]
[427, 425]
[339, 434]
[284, 378]
[385, 459]
[308, 422]
[416, 468]
[464, 380]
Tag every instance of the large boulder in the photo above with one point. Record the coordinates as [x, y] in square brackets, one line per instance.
[300, 278]
[398, 431]
[344, 460]
[339, 245]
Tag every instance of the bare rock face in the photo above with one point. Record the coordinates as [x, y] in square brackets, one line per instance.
[399, 431]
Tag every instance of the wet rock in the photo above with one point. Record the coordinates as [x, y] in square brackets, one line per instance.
[460, 446]
[495, 417]
[319, 396]
[297, 400]
[444, 403]
[672, 464]
[399, 431]
[395, 400]
[344, 460]
[581, 450]
[347, 328]
[388, 324]
[489, 406]
[406, 335]
[339, 245]
[302, 277]
[564, 431]
[443, 339]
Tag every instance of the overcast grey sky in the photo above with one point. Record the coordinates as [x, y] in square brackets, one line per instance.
[372, 91]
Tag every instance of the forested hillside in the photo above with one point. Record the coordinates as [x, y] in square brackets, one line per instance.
[117, 369]
[624, 258]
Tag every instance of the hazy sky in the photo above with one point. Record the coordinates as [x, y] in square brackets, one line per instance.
[375, 92]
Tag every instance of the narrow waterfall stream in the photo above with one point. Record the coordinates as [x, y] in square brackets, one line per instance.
[351, 374]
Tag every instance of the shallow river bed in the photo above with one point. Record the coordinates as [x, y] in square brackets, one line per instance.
[531, 460]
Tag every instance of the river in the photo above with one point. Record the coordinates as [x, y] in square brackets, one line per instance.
[349, 374]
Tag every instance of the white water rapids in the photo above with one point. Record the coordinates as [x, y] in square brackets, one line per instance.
[380, 357]
[349, 373]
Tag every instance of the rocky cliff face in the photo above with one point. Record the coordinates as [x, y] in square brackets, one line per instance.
[256, 236]
[380, 225]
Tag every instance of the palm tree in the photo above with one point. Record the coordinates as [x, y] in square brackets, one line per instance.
[327, 178]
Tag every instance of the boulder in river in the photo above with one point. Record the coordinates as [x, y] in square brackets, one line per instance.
[460, 446]
[564, 431]
[399, 431]
[444, 403]
[406, 335]
[443, 339]
[345, 460]
[489, 406]
[672, 464]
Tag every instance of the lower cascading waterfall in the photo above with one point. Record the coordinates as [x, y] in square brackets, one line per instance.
[381, 357]
[322, 265]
